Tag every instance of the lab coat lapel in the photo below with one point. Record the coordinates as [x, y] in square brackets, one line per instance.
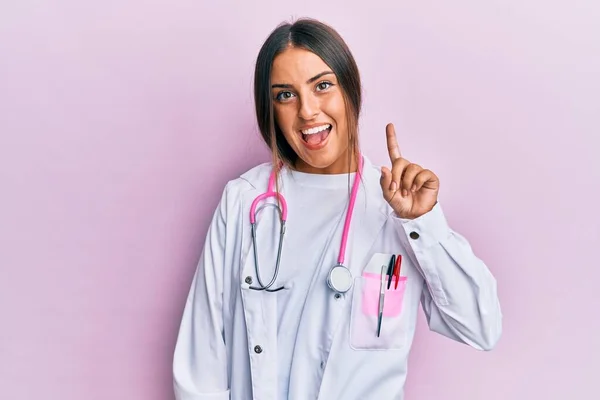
[370, 213]
[260, 307]
[369, 216]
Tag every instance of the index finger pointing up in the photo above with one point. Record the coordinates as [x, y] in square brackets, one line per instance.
[392, 143]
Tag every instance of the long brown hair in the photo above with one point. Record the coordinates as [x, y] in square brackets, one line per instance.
[326, 43]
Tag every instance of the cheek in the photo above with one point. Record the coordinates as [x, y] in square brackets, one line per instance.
[334, 106]
[336, 109]
[284, 117]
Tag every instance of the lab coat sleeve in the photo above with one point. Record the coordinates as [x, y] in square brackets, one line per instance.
[459, 296]
[200, 362]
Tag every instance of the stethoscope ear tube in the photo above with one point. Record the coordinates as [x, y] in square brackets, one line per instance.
[262, 286]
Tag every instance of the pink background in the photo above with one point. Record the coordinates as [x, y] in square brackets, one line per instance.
[121, 121]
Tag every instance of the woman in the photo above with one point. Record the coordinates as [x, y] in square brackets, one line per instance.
[331, 314]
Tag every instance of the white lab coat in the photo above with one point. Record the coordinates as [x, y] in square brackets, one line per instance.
[227, 343]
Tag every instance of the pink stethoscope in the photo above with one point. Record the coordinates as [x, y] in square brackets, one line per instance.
[340, 277]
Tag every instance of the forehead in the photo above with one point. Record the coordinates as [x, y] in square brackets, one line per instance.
[296, 65]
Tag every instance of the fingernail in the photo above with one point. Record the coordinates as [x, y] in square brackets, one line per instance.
[412, 189]
[404, 192]
[393, 186]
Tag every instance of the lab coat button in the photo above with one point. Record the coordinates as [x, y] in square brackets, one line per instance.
[249, 280]
[257, 349]
[414, 235]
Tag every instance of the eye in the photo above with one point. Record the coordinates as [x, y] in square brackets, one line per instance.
[323, 86]
[284, 96]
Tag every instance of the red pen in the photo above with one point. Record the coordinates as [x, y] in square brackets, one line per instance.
[397, 270]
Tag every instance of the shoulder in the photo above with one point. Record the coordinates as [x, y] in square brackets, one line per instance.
[253, 179]
[372, 175]
[238, 190]
[371, 171]
[372, 185]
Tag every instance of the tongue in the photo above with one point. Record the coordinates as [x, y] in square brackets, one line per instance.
[317, 137]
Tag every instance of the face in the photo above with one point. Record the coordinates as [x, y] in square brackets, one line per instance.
[310, 111]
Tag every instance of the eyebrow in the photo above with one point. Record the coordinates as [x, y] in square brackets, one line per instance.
[311, 80]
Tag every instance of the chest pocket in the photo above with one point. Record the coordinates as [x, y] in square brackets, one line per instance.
[365, 308]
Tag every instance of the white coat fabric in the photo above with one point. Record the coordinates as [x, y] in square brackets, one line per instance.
[227, 343]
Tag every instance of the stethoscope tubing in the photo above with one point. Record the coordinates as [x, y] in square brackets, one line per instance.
[282, 210]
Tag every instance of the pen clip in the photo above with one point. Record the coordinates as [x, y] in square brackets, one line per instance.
[382, 282]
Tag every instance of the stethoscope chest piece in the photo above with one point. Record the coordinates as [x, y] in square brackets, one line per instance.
[339, 279]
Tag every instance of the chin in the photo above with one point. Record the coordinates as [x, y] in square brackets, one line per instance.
[325, 163]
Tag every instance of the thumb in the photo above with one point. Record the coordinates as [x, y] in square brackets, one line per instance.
[385, 180]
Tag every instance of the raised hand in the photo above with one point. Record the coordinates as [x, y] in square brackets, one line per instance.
[410, 189]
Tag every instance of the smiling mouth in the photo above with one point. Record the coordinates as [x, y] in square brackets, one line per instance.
[316, 136]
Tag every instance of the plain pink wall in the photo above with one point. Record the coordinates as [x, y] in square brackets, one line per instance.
[121, 121]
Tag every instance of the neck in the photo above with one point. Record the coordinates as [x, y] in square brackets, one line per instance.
[342, 165]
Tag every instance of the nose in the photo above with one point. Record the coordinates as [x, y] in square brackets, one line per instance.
[309, 107]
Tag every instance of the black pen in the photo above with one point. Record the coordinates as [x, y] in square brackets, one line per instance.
[390, 270]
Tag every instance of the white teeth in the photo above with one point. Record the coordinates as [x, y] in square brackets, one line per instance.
[318, 129]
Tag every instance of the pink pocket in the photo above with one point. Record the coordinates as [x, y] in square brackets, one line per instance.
[365, 310]
[392, 304]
